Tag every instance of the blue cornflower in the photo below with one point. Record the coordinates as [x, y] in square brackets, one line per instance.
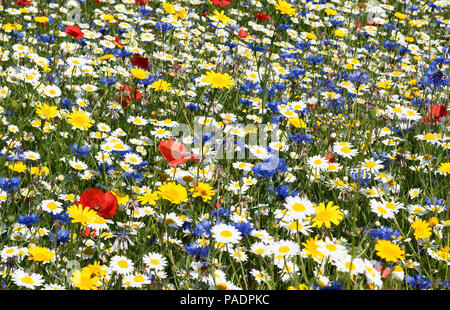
[82, 151]
[163, 26]
[250, 87]
[67, 103]
[301, 138]
[62, 236]
[335, 22]
[28, 220]
[108, 81]
[390, 45]
[202, 229]
[284, 26]
[191, 106]
[303, 45]
[316, 60]
[418, 282]
[196, 250]
[221, 212]
[245, 101]
[363, 178]
[8, 185]
[244, 228]
[62, 217]
[358, 77]
[269, 167]
[333, 286]
[106, 168]
[438, 202]
[284, 191]
[383, 233]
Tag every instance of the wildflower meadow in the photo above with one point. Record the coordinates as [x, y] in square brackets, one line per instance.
[224, 145]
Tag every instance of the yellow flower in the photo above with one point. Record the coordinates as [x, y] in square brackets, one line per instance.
[327, 215]
[148, 198]
[80, 120]
[422, 229]
[297, 122]
[301, 287]
[18, 167]
[82, 215]
[41, 19]
[444, 167]
[203, 190]
[221, 17]
[217, 79]
[39, 254]
[311, 36]
[161, 85]
[340, 33]
[169, 8]
[311, 247]
[85, 280]
[39, 171]
[10, 27]
[108, 18]
[181, 13]
[400, 16]
[173, 192]
[285, 8]
[46, 111]
[330, 12]
[444, 253]
[121, 197]
[96, 269]
[139, 73]
[389, 251]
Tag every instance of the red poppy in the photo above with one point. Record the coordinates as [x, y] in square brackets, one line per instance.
[87, 232]
[139, 61]
[371, 23]
[242, 33]
[262, 17]
[437, 112]
[386, 271]
[218, 204]
[175, 152]
[95, 199]
[74, 31]
[141, 2]
[98, 1]
[358, 24]
[23, 2]
[131, 94]
[221, 2]
[330, 158]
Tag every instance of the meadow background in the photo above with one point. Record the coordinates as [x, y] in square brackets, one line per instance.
[98, 191]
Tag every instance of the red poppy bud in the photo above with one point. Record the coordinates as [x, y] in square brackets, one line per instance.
[175, 152]
[242, 33]
[330, 158]
[217, 204]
